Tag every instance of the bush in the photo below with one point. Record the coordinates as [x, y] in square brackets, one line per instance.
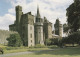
[48, 41]
[73, 38]
[14, 40]
[38, 46]
[53, 41]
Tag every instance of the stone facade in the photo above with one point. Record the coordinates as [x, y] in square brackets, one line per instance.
[33, 30]
[58, 28]
[24, 25]
[27, 29]
[47, 28]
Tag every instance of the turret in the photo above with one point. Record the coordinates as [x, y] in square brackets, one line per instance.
[47, 28]
[38, 14]
[18, 16]
[38, 17]
[39, 29]
[56, 25]
[58, 28]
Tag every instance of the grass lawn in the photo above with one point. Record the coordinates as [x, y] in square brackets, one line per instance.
[59, 52]
[20, 49]
[24, 49]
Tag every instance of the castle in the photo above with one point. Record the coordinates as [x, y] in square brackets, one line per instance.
[33, 30]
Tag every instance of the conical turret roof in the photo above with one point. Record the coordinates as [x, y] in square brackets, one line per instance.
[38, 14]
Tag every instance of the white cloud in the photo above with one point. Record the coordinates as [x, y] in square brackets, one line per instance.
[6, 20]
[52, 9]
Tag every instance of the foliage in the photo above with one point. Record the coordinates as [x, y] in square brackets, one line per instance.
[73, 14]
[39, 46]
[73, 38]
[5, 34]
[53, 41]
[48, 41]
[14, 40]
[65, 28]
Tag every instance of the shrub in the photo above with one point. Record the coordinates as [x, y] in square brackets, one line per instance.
[14, 40]
[38, 46]
[48, 41]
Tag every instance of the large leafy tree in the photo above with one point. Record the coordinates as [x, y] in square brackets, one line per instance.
[14, 40]
[73, 38]
[73, 14]
[65, 28]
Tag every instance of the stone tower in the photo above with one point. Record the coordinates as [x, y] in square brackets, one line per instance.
[18, 17]
[27, 29]
[39, 29]
[47, 28]
[58, 28]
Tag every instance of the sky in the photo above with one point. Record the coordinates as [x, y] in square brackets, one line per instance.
[51, 9]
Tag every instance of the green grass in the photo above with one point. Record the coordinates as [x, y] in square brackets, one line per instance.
[2, 46]
[22, 49]
[65, 52]
[58, 52]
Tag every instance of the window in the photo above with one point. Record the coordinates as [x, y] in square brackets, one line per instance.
[30, 35]
[31, 41]
[39, 20]
[30, 27]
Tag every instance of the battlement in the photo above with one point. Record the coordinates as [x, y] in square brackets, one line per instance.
[39, 24]
[18, 8]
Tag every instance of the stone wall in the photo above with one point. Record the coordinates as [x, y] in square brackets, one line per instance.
[4, 34]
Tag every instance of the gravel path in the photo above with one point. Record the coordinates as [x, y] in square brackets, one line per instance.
[21, 53]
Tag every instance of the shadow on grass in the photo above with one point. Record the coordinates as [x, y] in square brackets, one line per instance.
[61, 51]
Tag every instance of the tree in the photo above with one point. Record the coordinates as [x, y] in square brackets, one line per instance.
[73, 14]
[48, 42]
[14, 40]
[65, 28]
[73, 38]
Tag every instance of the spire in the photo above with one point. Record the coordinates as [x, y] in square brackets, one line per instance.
[38, 14]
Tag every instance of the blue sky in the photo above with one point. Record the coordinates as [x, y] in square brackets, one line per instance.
[52, 9]
[4, 6]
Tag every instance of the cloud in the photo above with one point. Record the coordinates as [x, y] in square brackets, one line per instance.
[52, 9]
[6, 20]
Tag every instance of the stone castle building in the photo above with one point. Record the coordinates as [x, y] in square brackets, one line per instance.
[33, 30]
[58, 28]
